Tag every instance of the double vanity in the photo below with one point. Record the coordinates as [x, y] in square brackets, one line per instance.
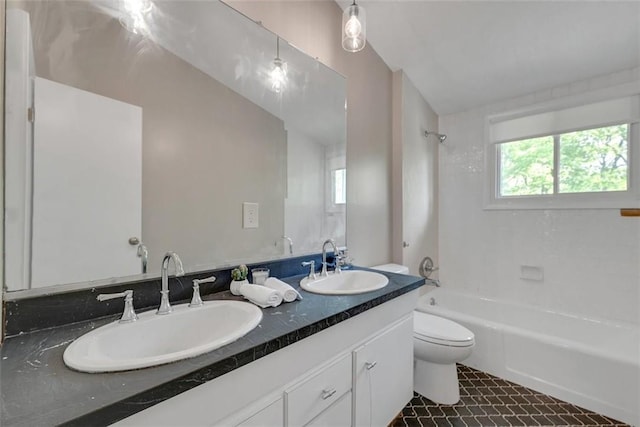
[341, 359]
[181, 102]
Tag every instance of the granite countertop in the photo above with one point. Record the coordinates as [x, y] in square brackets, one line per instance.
[39, 390]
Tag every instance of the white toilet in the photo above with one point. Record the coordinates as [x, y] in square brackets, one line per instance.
[438, 344]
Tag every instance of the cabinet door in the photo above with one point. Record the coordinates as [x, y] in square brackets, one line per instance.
[338, 414]
[383, 375]
[271, 416]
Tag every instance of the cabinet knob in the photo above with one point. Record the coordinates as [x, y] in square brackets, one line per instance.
[370, 365]
[328, 392]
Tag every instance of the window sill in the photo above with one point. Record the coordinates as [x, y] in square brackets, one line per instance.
[569, 201]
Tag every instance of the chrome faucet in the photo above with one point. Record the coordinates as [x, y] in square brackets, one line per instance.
[129, 314]
[143, 254]
[196, 300]
[434, 282]
[312, 270]
[288, 239]
[337, 270]
[165, 307]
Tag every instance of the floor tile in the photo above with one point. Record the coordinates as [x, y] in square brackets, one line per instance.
[487, 401]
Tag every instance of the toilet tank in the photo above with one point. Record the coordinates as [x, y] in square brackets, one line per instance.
[392, 268]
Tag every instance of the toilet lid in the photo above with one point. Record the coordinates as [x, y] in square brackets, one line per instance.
[439, 330]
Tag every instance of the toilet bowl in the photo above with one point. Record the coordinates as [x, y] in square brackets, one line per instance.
[438, 344]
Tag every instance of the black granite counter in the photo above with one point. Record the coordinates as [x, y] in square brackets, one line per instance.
[39, 390]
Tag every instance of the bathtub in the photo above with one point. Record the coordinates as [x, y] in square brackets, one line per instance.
[591, 363]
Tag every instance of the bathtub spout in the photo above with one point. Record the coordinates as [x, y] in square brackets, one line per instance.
[434, 282]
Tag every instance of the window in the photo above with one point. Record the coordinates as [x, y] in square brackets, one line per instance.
[591, 160]
[578, 157]
[339, 186]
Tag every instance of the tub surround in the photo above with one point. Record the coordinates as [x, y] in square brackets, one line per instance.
[38, 389]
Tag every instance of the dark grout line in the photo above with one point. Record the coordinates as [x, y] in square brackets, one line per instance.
[487, 401]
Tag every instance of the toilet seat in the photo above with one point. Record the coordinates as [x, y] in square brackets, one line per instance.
[438, 330]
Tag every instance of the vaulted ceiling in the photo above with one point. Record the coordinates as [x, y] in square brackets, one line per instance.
[464, 54]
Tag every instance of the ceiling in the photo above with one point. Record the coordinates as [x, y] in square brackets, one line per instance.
[464, 54]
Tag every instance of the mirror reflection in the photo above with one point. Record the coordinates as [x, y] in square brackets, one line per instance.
[136, 127]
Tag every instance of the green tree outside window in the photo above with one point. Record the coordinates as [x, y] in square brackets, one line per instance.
[593, 160]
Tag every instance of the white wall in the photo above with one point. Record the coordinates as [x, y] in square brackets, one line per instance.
[415, 176]
[591, 258]
[314, 27]
[304, 202]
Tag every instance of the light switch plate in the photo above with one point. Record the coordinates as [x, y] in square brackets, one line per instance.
[249, 215]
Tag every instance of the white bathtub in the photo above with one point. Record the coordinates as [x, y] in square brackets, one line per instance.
[588, 362]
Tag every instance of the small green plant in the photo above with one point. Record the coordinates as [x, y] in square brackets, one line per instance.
[240, 273]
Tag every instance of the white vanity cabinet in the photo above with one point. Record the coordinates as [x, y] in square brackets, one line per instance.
[338, 414]
[271, 415]
[321, 380]
[313, 395]
[383, 375]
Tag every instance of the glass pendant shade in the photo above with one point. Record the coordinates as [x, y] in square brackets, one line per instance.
[134, 15]
[278, 75]
[354, 28]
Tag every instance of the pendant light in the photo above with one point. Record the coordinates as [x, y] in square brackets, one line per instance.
[278, 74]
[134, 15]
[354, 28]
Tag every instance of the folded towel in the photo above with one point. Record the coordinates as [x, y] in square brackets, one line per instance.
[287, 293]
[261, 295]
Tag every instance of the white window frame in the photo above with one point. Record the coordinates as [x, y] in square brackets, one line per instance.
[556, 118]
[334, 186]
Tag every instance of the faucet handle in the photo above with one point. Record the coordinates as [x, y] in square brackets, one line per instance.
[426, 267]
[312, 270]
[344, 260]
[129, 314]
[207, 280]
[196, 301]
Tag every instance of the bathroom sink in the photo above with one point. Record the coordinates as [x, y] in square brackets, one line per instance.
[345, 283]
[156, 339]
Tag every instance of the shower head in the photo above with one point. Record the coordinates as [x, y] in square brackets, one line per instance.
[441, 136]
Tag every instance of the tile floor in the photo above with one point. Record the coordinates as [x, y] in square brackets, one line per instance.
[486, 400]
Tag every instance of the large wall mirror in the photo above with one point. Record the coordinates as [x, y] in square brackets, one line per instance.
[136, 127]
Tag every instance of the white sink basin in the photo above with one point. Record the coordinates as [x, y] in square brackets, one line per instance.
[345, 283]
[156, 339]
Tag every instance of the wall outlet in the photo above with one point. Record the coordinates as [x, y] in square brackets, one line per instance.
[249, 215]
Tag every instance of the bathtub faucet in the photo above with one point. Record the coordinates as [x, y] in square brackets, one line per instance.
[434, 282]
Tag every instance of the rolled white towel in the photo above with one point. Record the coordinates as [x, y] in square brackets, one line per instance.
[287, 292]
[261, 295]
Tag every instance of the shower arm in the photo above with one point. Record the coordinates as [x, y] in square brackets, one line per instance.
[441, 136]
